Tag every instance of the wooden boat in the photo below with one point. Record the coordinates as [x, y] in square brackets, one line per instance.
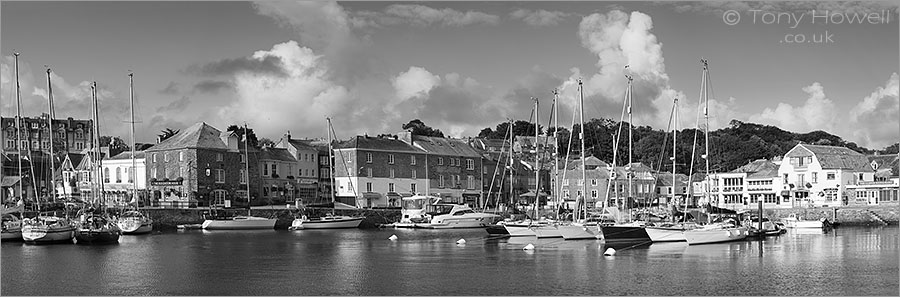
[97, 229]
[48, 229]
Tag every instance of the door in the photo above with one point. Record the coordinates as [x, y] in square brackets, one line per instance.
[873, 197]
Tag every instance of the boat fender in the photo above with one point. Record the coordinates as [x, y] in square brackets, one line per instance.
[461, 241]
[303, 217]
[610, 252]
[393, 237]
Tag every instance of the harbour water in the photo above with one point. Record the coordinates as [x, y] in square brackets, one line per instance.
[845, 261]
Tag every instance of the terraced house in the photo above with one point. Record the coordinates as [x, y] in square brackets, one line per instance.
[818, 175]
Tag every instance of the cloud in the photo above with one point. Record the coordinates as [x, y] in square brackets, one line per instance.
[264, 64]
[171, 89]
[539, 17]
[177, 105]
[817, 113]
[318, 23]
[212, 86]
[719, 7]
[422, 16]
[876, 116]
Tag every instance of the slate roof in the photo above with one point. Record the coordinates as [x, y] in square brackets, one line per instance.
[758, 169]
[664, 179]
[590, 162]
[127, 155]
[836, 157]
[278, 154]
[445, 146]
[376, 143]
[884, 162]
[200, 135]
[10, 180]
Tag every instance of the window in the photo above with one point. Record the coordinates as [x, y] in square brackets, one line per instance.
[412, 160]
[368, 157]
[265, 191]
[243, 158]
[218, 157]
[470, 182]
[815, 177]
[392, 172]
[45, 144]
[118, 175]
[470, 164]
[390, 158]
[79, 134]
[390, 187]
[220, 176]
[440, 160]
[10, 143]
[219, 197]
[265, 169]
[800, 179]
[243, 176]
[79, 145]
[368, 187]
[130, 174]
[593, 182]
[593, 193]
[565, 182]
[165, 157]
[180, 156]
[580, 182]
[105, 175]
[274, 170]
[412, 187]
[785, 179]
[441, 181]
[369, 172]
[153, 173]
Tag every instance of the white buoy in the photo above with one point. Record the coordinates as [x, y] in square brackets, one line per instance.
[393, 237]
[610, 252]
[461, 241]
[528, 247]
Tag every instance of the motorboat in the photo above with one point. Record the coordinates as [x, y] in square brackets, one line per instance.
[769, 228]
[97, 229]
[414, 210]
[134, 222]
[329, 221]
[453, 216]
[48, 229]
[716, 232]
[238, 223]
[795, 221]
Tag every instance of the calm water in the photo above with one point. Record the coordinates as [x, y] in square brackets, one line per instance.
[846, 261]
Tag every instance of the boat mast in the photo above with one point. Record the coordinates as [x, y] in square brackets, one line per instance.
[96, 140]
[705, 96]
[555, 154]
[583, 161]
[537, 160]
[133, 172]
[247, 163]
[674, 140]
[19, 130]
[50, 116]
[330, 160]
[510, 157]
[630, 141]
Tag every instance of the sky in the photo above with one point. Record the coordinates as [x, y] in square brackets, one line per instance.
[458, 66]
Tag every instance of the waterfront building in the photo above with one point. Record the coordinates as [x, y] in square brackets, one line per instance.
[374, 171]
[818, 175]
[664, 188]
[279, 180]
[71, 135]
[880, 191]
[202, 166]
[118, 175]
[453, 168]
[311, 178]
[745, 186]
[642, 181]
[596, 176]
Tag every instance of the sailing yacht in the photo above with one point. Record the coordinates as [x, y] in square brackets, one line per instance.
[247, 222]
[11, 229]
[671, 232]
[134, 222]
[96, 227]
[329, 221]
[728, 230]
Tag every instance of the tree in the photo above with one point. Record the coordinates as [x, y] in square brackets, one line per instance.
[266, 142]
[167, 133]
[116, 144]
[891, 149]
[251, 137]
[419, 128]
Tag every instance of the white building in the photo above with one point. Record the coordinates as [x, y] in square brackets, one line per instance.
[881, 191]
[120, 176]
[817, 175]
[745, 186]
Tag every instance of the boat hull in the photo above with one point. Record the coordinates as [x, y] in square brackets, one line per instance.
[804, 224]
[343, 223]
[135, 225]
[94, 236]
[11, 235]
[519, 230]
[238, 224]
[664, 234]
[615, 234]
[546, 232]
[39, 235]
[496, 230]
[458, 223]
[575, 231]
[705, 236]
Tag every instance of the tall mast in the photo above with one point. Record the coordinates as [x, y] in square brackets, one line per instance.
[555, 110]
[510, 157]
[247, 163]
[50, 116]
[584, 193]
[96, 139]
[705, 95]
[674, 140]
[330, 160]
[133, 172]
[537, 160]
[630, 141]
[19, 130]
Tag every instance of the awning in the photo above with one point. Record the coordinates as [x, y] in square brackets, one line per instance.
[371, 195]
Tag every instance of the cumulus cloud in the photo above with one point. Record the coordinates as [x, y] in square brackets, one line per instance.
[422, 16]
[539, 17]
[171, 89]
[212, 86]
[267, 65]
[318, 23]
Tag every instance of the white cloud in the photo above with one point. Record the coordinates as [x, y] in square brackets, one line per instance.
[875, 119]
[817, 113]
[539, 17]
[422, 16]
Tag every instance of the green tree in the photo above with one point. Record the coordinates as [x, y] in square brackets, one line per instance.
[251, 137]
[167, 133]
[419, 128]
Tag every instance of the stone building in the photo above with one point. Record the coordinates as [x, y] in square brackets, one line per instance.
[312, 177]
[203, 166]
[70, 134]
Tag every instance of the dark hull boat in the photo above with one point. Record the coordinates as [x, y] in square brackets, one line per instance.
[97, 230]
[624, 234]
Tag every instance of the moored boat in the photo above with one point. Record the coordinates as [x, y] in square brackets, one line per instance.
[454, 216]
[11, 229]
[134, 222]
[795, 221]
[48, 229]
[715, 233]
[327, 222]
[624, 233]
[238, 223]
[580, 230]
[97, 229]
[667, 232]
